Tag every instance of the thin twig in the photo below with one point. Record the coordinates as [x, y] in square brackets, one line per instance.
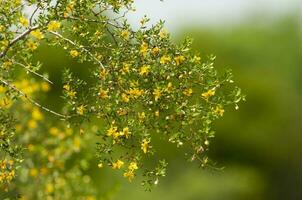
[31, 100]
[33, 14]
[33, 72]
[81, 47]
[96, 21]
[112, 35]
[19, 37]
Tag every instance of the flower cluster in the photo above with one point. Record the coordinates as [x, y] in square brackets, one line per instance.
[7, 173]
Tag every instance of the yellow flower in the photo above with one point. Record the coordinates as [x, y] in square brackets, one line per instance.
[125, 68]
[125, 98]
[125, 34]
[134, 83]
[44, 170]
[156, 113]
[65, 14]
[103, 94]
[76, 144]
[2, 89]
[68, 131]
[74, 53]
[24, 21]
[111, 131]
[125, 132]
[17, 3]
[33, 172]
[144, 49]
[122, 112]
[70, 6]
[1, 28]
[219, 110]
[36, 114]
[4, 44]
[118, 164]
[31, 147]
[37, 34]
[144, 70]
[165, 59]
[155, 50]
[10, 175]
[71, 94]
[32, 124]
[54, 131]
[5, 102]
[169, 87]
[188, 92]
[208, 94]
[163, 33]
[49, 188]
[11, 162]
[157, 94]
[2, 133]
[116, 135]
[45, 87]
[179, 60]
[98, 34]
[129, 174]
[145, 145]
[100, 165]
[90, 198]
[66, 87]
[141, 116]
[133, 166]
[7, 64]
[80, 110]
[103, 74]
[196, 59]
[135, 93]
[54, 26]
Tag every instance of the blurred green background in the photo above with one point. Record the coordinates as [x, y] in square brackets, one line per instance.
[259, 145]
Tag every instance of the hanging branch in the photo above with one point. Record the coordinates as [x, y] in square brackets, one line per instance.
[31, 100]
[81, 47]
[33, 72]
[19, 37]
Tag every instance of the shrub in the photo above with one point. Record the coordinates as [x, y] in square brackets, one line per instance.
[141, 86]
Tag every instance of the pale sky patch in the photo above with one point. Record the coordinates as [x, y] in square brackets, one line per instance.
[178, 13]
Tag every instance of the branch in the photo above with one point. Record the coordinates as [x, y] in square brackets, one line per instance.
[33, 72]
[31, 100]
[33, 14]
[112, 35]
[81, 47]
[96, 21]
[19, 37]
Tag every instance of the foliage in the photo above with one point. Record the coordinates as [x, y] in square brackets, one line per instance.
[141, 87]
